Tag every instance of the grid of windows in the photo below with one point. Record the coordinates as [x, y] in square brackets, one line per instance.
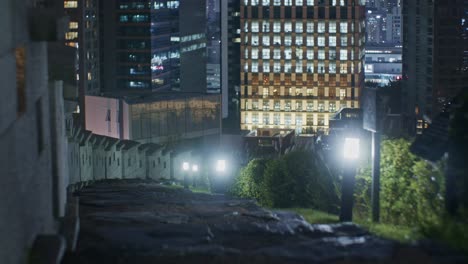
[304, 61]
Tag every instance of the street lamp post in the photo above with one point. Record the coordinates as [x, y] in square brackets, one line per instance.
[220, 169]
[185, 168]
[194, 173]
[350, 155]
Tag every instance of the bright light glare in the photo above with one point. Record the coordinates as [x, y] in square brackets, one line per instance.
[351, 148]
[221, 165]
[185, 166]
[195, 167]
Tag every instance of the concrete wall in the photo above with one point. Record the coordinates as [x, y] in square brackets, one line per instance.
[26, 197]
[95, 157]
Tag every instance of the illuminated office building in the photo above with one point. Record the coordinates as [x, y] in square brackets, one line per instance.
[301, 62]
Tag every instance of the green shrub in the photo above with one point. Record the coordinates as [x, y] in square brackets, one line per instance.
[291, 180]
[411, 189]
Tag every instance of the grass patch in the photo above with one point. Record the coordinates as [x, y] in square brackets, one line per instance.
[400, 233]
[314, 216]
[200, 190]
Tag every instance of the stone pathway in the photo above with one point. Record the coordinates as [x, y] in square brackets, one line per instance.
[136, 221]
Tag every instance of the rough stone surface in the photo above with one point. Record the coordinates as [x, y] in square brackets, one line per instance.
[143, 222]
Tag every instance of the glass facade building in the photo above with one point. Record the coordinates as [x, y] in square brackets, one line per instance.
[302, 60]
[147, 44]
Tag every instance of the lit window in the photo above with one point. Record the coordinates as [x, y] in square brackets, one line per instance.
[298, 66]
[276, 27]
[277, 54]
[287, 67]
[288, 27]
[266, 2]
[310, 54]
[255, 27]
[287, 106]
[277, 2]
[288, 53]
[342, 94]
[71, 35]
[298, 2]
[343, 54]
[254, 40]
[287, 40]
[310, 27]
[254, 53]
[90, 77]
[321, 27]
[310, 2]
[254, 2]
[310, 41]
[321, 54]
[332, 54]
[266, 66]
[73, 25]
[344, 41]
[332, 41]
[321, 41]
[310, 106]
[287, 2]
[321, 67]
[266, 26]
[344, 27]
[310, 67]
[276, 67]
[343, 68]
[266, 40]
[298, 26]
[277, 40]
[254, 66]
[332, 27]
[265, 54]
[332, 67]
[299, 40]
[70, 4]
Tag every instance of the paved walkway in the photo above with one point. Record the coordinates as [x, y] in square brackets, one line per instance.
[144, 222]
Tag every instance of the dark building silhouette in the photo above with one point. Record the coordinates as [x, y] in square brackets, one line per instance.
[434, 58]
[231, 65]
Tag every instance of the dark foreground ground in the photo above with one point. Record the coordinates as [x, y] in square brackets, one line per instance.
[144, 222]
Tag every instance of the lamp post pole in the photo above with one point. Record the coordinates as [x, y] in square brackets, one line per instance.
[194, 173]
[347, 191]
[351, 155]
[375, 195]
[186, 168]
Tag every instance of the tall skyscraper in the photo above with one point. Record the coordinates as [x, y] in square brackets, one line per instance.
[434, 45]
[301, 62]
[83, 34]
[151, 46]
[230, 11]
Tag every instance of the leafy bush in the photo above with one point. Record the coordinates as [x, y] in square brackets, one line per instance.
[291, 180]
[411, 189]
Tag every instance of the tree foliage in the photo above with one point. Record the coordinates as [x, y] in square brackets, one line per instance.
[411, 189]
